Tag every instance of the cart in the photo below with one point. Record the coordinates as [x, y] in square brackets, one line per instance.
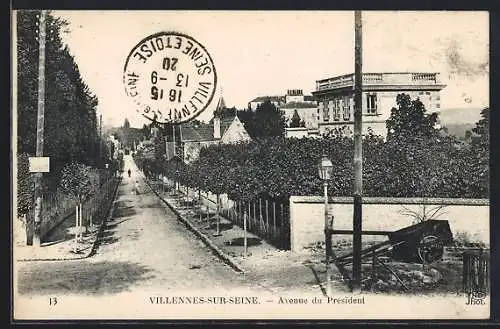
[421, 243]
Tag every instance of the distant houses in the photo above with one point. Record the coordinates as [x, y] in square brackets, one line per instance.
[195, 136]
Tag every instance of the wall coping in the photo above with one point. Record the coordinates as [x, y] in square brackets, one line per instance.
[388, 200]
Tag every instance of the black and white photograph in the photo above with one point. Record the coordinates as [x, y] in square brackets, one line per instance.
[225, 164]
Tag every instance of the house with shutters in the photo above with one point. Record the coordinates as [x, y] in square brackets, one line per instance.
[193, 136]
[335, 98]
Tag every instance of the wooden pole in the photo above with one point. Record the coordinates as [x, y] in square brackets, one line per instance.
[274, 218]
[245, 234]
[39, 131]
[358, 155]
[267, 216]
[217, 215]
[76, 229]
[328, 241]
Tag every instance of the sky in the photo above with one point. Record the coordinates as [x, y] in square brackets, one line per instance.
[258, 53]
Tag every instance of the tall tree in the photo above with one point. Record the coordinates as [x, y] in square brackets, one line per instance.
[70, 107]
[295, 121]
[410, 120]
[266, 121]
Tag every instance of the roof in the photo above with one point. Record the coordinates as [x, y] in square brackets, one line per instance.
[221, 105]
[204, 132]
[298, 105]
[271, 98]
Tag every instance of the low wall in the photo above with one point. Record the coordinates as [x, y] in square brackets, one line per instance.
[385, 214]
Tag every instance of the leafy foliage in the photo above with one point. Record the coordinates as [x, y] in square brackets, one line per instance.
[70, 133]
[410, 121]
[295, 122]
[423, 164]
[79, 181]
[25, 185]
[265, 121]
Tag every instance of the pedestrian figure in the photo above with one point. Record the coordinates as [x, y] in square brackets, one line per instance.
[136, 186]
[129, 173]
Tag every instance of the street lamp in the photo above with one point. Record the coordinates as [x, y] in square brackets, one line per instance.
[325, 169]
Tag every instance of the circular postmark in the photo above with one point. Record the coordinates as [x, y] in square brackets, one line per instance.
[170, 77]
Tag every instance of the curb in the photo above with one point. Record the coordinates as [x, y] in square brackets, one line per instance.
[92, 248]
[216, 250]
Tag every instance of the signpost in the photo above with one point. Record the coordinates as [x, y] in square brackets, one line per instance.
[39, 133]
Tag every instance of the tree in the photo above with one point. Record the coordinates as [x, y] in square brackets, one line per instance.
[70, 107]
[266, 121]
[410, 121]
[126, 124]
[482, 129]
[225, 112]
[295, 122]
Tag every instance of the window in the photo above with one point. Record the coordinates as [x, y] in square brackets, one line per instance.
[371, 103]
[326, 111]
[437, 96]
[438, 105]
[336, 109]
[347, 109]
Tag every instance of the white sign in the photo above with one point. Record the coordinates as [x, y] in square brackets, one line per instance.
[39, 164]
[170, 77]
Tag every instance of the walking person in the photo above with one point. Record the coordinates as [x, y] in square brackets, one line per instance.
[136, 187]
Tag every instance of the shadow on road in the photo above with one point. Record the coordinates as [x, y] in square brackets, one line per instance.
[106, 238]
[81, 277]
[120, 210]
[61, 232]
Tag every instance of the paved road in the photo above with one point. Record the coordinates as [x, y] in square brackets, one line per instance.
[143, 248]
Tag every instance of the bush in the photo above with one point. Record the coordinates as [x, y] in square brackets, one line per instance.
[276, 168]
[25, 185]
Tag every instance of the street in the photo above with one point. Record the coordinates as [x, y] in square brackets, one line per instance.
[143, 248]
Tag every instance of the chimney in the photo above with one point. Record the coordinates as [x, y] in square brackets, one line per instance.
[216, 127]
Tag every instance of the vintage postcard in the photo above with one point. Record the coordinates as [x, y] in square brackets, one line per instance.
[250, 165]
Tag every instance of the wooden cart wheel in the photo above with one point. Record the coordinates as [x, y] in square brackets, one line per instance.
[430, 249]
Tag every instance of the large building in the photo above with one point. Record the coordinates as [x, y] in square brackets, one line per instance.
[335, 98]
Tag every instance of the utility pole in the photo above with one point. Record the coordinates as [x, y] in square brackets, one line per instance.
[39, 131]
[358, 152]
[100, 138]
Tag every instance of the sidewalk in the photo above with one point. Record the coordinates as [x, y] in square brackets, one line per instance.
[277, 270]
[59, 243]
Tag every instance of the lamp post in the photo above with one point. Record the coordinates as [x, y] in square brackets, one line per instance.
[325, 169]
